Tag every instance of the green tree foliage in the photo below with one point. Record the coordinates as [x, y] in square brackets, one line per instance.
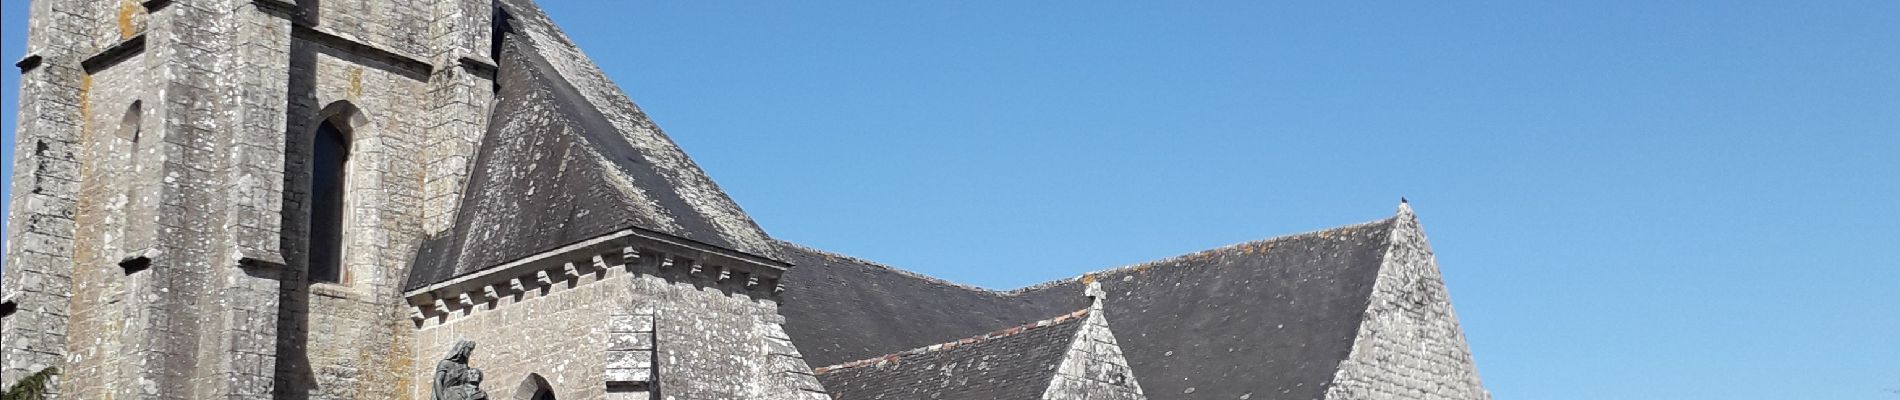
[32, 387]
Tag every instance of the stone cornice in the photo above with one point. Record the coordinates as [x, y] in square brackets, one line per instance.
[620, 252]
[113, 55]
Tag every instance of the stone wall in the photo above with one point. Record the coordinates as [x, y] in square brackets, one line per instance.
[209, 202]
[109, 187]
[349, 339]
[710, 339]
[402, 26]
[1409, 345]
[38, 275]
[461, 93]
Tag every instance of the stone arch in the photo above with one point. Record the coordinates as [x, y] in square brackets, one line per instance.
[129, 124]
[344, 115]
[534, 387]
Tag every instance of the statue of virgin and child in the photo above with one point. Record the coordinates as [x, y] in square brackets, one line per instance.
[454, 380]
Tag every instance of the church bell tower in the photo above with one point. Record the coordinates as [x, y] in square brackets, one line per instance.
[217, 198]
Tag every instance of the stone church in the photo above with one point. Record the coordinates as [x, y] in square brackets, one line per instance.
[318, 199]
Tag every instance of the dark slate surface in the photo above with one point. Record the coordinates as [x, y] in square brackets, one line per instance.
[1006, 366]
[1271, 318]
[841, 309]
[555, 169]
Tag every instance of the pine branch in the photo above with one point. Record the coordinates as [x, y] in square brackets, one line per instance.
[32, 387]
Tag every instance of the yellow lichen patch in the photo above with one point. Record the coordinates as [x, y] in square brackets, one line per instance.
[1088, 279]
[356, 82]
[400, 360]
[129, 11]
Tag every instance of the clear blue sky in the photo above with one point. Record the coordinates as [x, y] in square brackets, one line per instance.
[1629, 199]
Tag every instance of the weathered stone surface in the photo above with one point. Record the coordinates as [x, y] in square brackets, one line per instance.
[629, 329]
[1093, 368]
[1409, 345]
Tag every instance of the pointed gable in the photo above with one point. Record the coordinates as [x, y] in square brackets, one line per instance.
[568, 157]
[1409, 322]
[1093, 368]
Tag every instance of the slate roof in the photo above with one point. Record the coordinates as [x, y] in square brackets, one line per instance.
[568, 157]
[1014, 363]
[1271, 319]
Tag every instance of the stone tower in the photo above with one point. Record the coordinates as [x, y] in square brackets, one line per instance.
[219, 198]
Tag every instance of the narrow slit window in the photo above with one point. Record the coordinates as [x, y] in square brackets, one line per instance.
[330, 157]
[129, 127]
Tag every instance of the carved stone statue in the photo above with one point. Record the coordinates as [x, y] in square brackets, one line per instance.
[454, 380]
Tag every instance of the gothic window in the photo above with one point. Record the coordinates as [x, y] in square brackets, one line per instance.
[329, 174]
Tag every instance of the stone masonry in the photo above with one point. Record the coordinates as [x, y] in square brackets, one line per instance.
[1409, 345]
[1093, 368]
[162, 191]
[616, 327]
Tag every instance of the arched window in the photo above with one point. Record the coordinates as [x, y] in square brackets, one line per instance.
[329, 177]
[129, 130]
[534, 387]
[129, 125]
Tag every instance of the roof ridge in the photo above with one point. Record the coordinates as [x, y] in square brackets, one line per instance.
[888, 267]
[1087, 276]
[1006, 332]
[1084, 276]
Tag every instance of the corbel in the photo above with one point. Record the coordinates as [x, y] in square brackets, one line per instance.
[600, 265]
[630, 256]
[570, 271]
